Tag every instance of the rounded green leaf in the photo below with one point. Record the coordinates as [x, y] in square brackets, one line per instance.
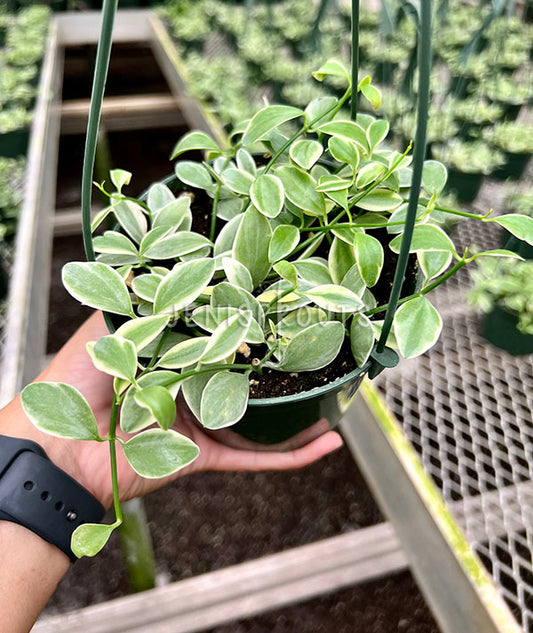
[98, 286]
[183, 284]
[238, 180]
[237, 273]
[195, 141]
[59, 409]
[114, 242]
[267, 195]
[434, 176]
[134, 417]
[521, 226]
[377, 131]
[159, 402]
[300, 189]
[251, 244]
[185, 353]
[224, 399]
[348, 130]
[132, 219]
[159, 195]
[319, 111]
[156, 453]
[193, 174]
[306, 152]
[299, 319]
[314, 271]
[145, 286]
[90, 538]
[177, 245]
[120, 177]
[283, 241]
[335, 298]
[426, 238]
[227, 337]
[434, 263]
[369, 257]
[344, 150]
[313, 348]
[334, 68]
[176, 214]
[368, 174]
[267, 119]
[372, 94]
[361, 338]
[341, 259]
[142, 331]
[116, 356]
[210, 317]
[380, 199]
[417, 327]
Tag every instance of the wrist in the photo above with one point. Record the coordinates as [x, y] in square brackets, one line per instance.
[60, 451]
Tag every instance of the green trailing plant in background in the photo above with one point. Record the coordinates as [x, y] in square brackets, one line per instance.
[508, 285]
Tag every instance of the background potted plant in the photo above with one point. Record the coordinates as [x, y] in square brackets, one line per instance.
[468, 163]
[504, 291]
[515, 141]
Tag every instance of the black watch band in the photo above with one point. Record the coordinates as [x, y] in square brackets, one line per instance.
[40, 496]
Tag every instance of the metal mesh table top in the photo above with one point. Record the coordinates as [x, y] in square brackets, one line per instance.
[467, 407]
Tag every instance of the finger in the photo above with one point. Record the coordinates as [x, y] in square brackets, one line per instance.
[231, 459]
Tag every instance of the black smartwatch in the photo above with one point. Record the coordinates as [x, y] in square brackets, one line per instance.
[40, 496]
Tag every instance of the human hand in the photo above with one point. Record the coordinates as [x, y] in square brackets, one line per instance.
[88, 461]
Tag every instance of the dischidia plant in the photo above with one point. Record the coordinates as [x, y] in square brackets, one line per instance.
[305, 210]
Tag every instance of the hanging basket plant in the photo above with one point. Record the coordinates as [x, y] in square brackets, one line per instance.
[268, 274]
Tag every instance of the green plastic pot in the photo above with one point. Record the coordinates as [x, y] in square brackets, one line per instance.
[514, 167]
[465, 186]
[499, 327]
[14, 144]
[288, 422]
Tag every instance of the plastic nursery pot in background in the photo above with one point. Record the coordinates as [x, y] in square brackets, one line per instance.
[288, 422]
[514, 167]
[14, 144]
[465, 186]
[499, 327]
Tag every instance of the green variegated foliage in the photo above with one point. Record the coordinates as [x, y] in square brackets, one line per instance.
[298, 207]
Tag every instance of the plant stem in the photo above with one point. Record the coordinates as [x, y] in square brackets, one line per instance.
[424, 65]
[355, 58]
[100, 75]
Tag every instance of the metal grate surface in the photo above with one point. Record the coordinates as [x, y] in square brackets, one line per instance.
[467, 407]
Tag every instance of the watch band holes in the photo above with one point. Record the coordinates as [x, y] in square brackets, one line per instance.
[45, 496]
[59, 506]
[28, 485]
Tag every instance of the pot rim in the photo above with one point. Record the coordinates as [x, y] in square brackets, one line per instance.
[310, 393]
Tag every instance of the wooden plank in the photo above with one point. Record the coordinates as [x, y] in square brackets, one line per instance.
[83, 27]
[243, 590]
[135, 112]
[196, 114]
[26, 322]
